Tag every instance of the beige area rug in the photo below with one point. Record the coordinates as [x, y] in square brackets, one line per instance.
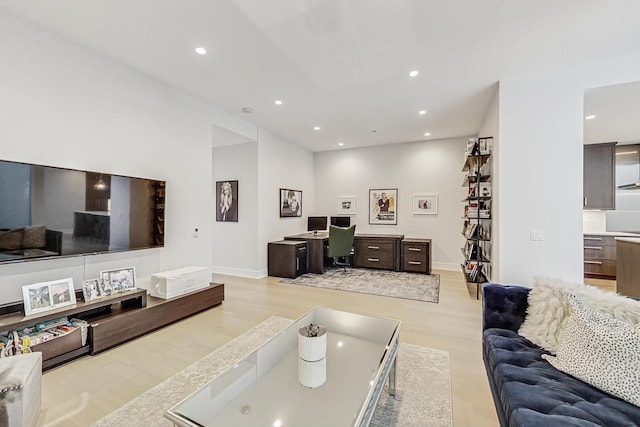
[422, 287]
[423, 385]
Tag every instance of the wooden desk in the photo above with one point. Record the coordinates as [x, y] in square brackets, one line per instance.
[371, 250]
[315, 249]
[628, 267]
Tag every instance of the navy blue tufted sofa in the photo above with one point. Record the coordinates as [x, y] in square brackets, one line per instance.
[527, 390]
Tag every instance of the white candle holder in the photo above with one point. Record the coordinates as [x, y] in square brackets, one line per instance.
[312, 343]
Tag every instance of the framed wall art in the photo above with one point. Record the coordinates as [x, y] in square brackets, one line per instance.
[425, 204]
[290, 203]
[44, 296]
[118, 280]
[346, 205]
[227, 201]
[383, 206]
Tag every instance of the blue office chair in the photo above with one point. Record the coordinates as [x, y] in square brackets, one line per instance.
[341, 245]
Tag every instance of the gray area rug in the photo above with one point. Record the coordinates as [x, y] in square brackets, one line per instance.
[423, 385]
[395, 284]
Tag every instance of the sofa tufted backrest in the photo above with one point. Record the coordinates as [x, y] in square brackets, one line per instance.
[503, 306]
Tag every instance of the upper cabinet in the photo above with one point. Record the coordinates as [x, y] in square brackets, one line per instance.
[599, 176]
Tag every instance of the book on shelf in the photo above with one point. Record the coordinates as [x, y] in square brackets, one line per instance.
[472, 147]
[485, 145]
[484, 189]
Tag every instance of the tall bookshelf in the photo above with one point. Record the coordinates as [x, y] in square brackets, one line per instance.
[476, 227]
[158, 196]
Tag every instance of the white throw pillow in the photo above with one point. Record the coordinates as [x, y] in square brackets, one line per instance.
[601, 351]
[548, 309]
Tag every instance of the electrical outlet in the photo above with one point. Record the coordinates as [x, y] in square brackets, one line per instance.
[537, 236]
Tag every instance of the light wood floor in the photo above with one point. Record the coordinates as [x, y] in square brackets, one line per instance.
[81, 392]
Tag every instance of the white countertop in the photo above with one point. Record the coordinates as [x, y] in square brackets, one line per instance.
[628, 239]
[612, 233]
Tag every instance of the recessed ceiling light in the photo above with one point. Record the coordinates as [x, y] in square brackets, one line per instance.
[592, 116]
[340, 144]
[201, 50]
[427, 134]
[277, 102]
[422, 112]
[413, 73]
[316, 128]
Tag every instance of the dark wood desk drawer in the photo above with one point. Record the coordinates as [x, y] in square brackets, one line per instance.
[595, 240]
[375, 254]
[416, 256]
[604, 267]
[598, 252]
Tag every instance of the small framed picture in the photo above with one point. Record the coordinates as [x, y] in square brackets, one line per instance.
[118, 280]
[91, 289]
[227, 201]
[383, 206]
[290, 203]
[44, 296]
[425, 204]
[346, 205]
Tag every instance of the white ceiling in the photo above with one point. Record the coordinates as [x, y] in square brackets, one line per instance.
[343, 64]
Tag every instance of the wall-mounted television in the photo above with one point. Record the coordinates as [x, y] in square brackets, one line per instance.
[50, 212]
[341, 221]
[316, 223]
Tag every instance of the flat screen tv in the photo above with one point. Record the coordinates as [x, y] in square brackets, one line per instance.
[341, 221]
[316, 223]
[50, 212]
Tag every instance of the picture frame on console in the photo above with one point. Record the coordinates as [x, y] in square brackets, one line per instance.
[290, 203]
[425, 204]
[227, 201]
[45, 296]
[346, 205]
[91, 289]
[383, 206]
[118, 280]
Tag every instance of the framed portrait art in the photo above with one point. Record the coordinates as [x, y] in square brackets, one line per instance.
[383, 206]
[290, 203]
[425, 204]
[227, 201]
[44, 296]
[346, 205]
[119, 280]
[91, 289]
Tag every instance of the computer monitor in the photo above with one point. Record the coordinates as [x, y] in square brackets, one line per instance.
[315, 223]
[341, 221]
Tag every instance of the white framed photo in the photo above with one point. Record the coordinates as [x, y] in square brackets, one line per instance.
[346, 205]
[91, 289]
[44, 296]
[118, 280]
[425, 204]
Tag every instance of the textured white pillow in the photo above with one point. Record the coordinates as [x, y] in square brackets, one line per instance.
[601, 351]
[548, 309]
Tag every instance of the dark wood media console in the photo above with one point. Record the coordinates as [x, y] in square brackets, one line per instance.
[113, 320]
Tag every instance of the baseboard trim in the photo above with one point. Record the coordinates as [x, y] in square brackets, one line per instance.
[249, 274]
[445, 266]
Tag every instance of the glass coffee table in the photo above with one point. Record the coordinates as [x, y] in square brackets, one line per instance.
[264, 388]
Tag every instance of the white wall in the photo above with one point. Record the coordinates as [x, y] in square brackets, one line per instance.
[65, 106]
[281, 164]
[235, 244]
[428, 167]
[540, 168]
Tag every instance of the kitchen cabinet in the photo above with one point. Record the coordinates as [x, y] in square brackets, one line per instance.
[599, 176]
